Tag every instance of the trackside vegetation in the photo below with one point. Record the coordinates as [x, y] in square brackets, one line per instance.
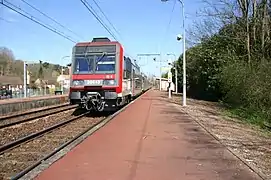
[229, 58]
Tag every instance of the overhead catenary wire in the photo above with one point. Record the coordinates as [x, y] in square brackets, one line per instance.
[92, 11]
[32, 18]
[168, 26]
[33, 7]
[99, 7]
[106, 17]
[14, 6]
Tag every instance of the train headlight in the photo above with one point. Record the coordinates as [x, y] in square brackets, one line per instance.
[111, 82]
[77, 82]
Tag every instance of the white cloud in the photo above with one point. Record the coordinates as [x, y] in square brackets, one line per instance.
[10, 12]
[11, 20]
[6, 20]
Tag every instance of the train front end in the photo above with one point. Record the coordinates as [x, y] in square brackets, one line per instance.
[96, 78]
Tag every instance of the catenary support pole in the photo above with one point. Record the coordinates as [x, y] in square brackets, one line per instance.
[25, 79]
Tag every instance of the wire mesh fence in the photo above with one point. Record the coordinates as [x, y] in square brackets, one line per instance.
[7, 94]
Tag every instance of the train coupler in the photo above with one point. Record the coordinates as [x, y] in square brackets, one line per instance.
[93, 101]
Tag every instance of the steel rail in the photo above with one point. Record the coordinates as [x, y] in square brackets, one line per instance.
[37, 163]
[36, 117]
[22, 173]
[15, 143]
[3, 118]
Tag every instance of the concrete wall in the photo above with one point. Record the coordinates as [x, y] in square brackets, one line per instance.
[24, 105]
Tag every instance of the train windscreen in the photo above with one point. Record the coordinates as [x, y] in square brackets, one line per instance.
[95, 60]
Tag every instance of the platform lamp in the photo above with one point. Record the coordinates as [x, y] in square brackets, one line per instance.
[179, 37]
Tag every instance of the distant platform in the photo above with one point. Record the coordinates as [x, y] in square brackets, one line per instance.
[8, 106]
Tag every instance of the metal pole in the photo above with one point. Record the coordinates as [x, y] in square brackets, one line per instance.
[176, 80]
[184, 65]
[25, 80]
[132, 80]
[160, 80]
[62, 81]
[184, 60]
[176, 72]
[169, 90]
[170, 83]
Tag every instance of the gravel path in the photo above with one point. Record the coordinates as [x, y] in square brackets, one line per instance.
[248, 142]
[16, 160]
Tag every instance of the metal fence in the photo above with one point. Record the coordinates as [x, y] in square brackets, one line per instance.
[31, 93]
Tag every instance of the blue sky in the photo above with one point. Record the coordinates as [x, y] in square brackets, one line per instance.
[142, 25]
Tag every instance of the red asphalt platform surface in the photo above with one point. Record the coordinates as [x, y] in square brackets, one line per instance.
[150, 140]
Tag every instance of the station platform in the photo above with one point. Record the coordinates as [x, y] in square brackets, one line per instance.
[151, 140]
[8, 106]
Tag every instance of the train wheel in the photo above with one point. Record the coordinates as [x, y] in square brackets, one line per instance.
[129, 99]
[72, 102]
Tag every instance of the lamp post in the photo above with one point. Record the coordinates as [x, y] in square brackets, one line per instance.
[26, 63]
[176, 72]
[184, 61]
[25, 79]
[62, 81]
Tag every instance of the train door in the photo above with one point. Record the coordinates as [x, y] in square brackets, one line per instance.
[133, 81]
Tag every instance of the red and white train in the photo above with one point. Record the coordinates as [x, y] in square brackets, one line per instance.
[102, 77]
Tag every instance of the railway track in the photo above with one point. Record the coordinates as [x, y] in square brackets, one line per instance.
[20, 156]
[16, 119]
[33, 111]
[6, 121]
[31, 136]
[17, 155]
[19, 130]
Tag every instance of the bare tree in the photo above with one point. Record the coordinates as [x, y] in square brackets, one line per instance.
[244, 6]
[251, 19]
[6, 59]
[264, 24]
[254, 17]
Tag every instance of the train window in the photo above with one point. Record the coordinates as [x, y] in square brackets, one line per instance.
[124, 63]
[83, 64]
[128, 64]
[127, 74]
[105, 63]
[127, 67]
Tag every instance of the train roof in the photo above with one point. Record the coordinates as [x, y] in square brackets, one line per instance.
[98, 41]
[106, 41]
[133, 61]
